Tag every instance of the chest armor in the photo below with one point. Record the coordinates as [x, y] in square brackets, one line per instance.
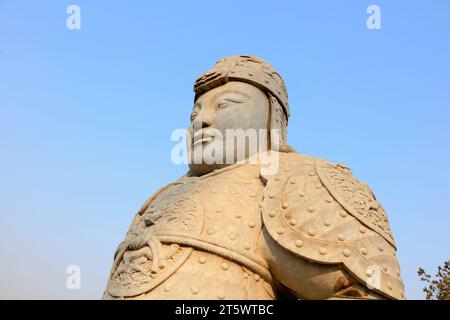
[194, 221]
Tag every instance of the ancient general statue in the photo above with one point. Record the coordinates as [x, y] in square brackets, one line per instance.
[304, 228]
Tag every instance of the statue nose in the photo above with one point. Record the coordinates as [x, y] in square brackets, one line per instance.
[203, 120]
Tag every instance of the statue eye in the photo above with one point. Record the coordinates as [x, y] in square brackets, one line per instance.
[226, 102]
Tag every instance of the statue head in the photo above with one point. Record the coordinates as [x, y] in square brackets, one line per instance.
[236, 105]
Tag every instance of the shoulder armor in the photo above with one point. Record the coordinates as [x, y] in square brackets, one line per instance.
[356, 197]
[319, 211]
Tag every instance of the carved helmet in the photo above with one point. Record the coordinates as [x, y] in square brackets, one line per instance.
[255, 71]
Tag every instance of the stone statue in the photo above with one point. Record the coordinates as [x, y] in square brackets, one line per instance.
[229, 230]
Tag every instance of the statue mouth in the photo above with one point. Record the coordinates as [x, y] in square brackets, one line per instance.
[202, 136]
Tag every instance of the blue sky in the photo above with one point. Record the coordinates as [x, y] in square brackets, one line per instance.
[86, 117]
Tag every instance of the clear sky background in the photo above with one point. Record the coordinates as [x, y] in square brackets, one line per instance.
[86, 117]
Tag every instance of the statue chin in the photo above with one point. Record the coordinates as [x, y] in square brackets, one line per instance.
[203, 168]
[199, 168]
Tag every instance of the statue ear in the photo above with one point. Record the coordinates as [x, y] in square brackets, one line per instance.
[277, 121]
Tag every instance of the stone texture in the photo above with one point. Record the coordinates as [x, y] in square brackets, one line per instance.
[230, 231]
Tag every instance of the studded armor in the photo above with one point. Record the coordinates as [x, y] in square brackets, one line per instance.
[196, 238]
[309, 231]
[319, 211]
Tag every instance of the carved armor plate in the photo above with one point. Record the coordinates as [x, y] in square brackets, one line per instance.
[320, 212]
[356, 197]
[143, 261]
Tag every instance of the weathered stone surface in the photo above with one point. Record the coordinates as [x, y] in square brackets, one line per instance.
[230, 230]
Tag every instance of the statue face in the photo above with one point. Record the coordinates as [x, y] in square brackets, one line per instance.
[219, 119]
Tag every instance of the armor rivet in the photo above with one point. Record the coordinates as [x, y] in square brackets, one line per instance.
[233, 236]
[301, 194]
[398, 272]
[285, 205]
[341, 237]
[327, 223]
[260, 205]
[311, 174]
[369, 272]
[280, 231]
[311, 232]
[293, 222]
[252, 195]
[251, 224]
[166, 288]
[250, 74]
[364, 250]
[362, 229]
[311, 209]
[292, 181]
[286, 170]
[246, 275]
[272, 214]
[211, 231]
[329, 200]
[147, 220]
[194, 290]
[347, 252]
[219, 210]
[322, 250]
[343, 214]
[318, 185]
[221, 295]
[247, 246]
[380, 248]
[271, 196]
[238, 215]
[384, 267]
[276, 178]
[299, 243]
[202, 260]
[256, 277]
[389, 284]
[225, 266]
